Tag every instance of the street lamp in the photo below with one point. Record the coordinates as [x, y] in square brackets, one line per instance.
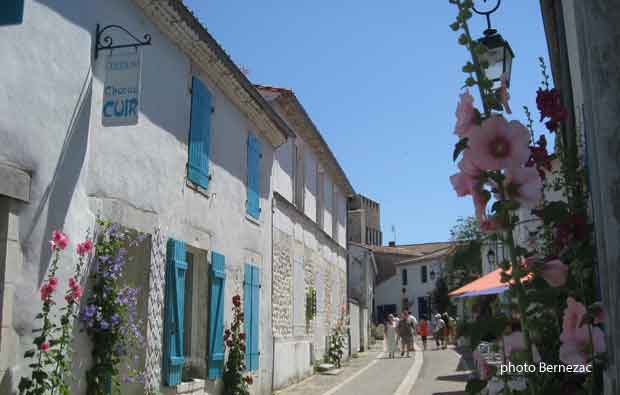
[497, 60]
[491, 257]
[432, 274]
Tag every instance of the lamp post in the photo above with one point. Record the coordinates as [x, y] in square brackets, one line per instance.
[491, 258]
[497, 59]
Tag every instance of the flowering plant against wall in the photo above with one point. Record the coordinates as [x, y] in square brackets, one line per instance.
[235, 383]
[52, 354]
[554, 316]
[337, 340]
[110, 314]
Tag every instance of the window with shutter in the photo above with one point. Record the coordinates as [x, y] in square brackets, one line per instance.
[196, 322]
[199, 134]
[253, 182]
[174, 315]
[251, 302]
[216, 316]
[11, 12]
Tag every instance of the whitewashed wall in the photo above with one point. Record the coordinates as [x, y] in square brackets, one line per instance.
[134, 174]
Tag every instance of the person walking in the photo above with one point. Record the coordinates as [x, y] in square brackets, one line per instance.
[414, 325]
[438, 328]
[446, 330]
[390, 336]
[423, 330]
[405, 334]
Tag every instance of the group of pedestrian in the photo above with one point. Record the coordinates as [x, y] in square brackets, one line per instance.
[401, 330]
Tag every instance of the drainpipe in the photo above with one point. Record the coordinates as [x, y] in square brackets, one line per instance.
[273, 336]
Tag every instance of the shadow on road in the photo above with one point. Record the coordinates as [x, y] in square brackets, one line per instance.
[463, 377]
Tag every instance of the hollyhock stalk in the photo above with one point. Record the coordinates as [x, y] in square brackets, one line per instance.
[73, 294]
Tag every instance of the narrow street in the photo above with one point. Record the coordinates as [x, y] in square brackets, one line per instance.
[433, 372]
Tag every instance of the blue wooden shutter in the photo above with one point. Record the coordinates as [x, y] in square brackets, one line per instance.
[199, 134]
[216, 316]
[251, 286]
[174, 315]
[11, 12]
[253, 187]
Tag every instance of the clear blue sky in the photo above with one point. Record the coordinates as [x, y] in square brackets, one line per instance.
[381, 81]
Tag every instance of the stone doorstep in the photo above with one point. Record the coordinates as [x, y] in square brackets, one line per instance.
[194, 387]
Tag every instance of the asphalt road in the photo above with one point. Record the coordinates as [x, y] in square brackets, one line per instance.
[444, 372]
[432, 372]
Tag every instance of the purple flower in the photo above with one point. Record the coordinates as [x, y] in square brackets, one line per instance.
[104, 325]
[115, 319]
[89, 312]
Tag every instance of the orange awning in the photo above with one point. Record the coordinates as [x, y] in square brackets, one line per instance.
[489, 284]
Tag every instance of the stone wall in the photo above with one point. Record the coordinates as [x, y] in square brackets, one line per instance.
[282, 284]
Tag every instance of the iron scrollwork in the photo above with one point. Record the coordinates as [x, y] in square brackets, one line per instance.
[103, 42]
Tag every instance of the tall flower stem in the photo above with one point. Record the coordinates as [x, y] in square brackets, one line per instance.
[477, 68]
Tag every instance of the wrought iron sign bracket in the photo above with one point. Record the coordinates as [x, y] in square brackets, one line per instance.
[106, 42]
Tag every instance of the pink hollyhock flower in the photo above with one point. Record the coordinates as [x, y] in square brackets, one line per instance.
[515, 342]
[555, 272]
[45, 291]
[84, 248]
[53, 282]
[578, 342]
[465, 181]
[499, 144]
[524, 185]
[76, 292]
[59, 240]
[504, 95]
[44, 346]
[465, 115]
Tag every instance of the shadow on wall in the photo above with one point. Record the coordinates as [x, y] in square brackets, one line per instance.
[60, 190]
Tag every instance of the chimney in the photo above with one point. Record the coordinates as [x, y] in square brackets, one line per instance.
[392, 244]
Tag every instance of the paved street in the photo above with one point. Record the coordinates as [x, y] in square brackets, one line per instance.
[444, 372]
[434, 372]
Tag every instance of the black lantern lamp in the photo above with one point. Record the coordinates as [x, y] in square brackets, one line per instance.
[432, 274]
[491, 257]
[498, 57]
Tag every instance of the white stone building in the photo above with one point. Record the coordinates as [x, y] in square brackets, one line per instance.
[407, 277]
[362, 273]
[195, 170]
[309, 243]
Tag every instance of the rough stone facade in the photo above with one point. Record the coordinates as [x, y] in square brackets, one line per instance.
[324, 270]
[282, 284]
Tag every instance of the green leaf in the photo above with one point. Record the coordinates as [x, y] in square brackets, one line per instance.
[469, 68]
[29, 354]
[458, 148]
[474, 386]
[470, 81]
[455, 26]
[463, 40]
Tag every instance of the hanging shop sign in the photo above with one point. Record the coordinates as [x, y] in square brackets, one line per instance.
[121, 92]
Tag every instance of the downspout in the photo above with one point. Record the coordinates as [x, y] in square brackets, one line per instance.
[346, 238]
[273, 336]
